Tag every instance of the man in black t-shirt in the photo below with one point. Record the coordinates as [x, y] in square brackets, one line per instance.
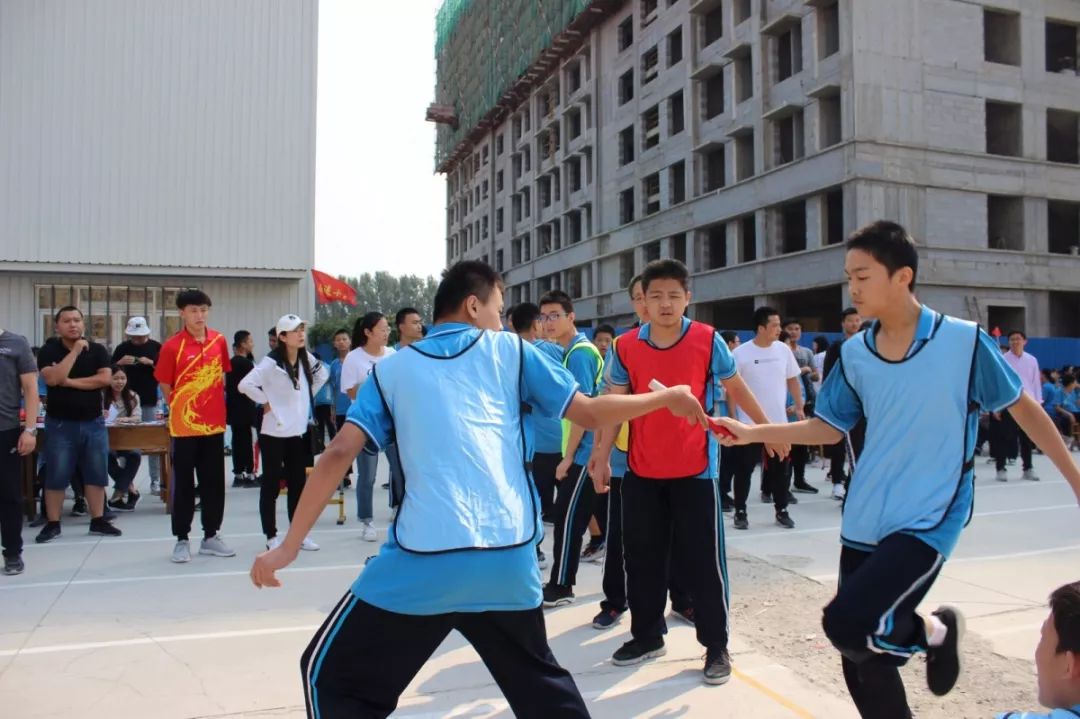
[138, 355]
[241, 411]
[75, 371]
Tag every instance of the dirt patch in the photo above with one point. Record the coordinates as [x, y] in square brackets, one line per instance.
[763, 592]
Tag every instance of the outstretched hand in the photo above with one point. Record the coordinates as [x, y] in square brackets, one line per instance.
[266, 564]
[730, 432]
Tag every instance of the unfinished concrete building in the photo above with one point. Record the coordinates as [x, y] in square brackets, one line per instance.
[747, 138]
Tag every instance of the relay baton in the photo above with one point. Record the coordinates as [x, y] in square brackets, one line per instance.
[656, 385]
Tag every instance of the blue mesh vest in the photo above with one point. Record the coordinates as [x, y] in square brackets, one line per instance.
[458, 426]
[907, 480]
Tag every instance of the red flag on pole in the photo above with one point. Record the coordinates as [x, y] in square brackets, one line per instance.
[329, 289]
[996, 333]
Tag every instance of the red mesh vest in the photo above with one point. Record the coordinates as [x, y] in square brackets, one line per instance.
[663, 446]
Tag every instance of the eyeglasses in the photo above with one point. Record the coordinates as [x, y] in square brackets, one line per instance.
[551, 317]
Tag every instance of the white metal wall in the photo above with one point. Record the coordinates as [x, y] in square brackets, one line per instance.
[158, 133]
[251, 304]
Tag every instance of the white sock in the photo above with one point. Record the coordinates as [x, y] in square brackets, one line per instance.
[936, 631]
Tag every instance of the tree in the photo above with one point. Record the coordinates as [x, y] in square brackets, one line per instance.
[381, 292]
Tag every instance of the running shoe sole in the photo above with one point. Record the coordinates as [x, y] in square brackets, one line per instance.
[655, 653]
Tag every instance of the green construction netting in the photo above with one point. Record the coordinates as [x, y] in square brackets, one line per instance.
[482, 47]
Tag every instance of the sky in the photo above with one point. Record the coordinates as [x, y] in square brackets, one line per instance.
[378, 203]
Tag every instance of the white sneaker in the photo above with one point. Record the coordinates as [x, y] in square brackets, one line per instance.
[309, 546]
[181, 553]
[1002, 475]
[155, 488]
[274, 543]
[368, 533]
[839, 491]
[1029, 475]
[216, 547]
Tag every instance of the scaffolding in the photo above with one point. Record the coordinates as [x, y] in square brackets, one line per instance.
[485, 50]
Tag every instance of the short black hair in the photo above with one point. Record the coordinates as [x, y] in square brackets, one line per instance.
[1065, 607]
[888, 243]
[239, 337]
[792, 321]
[1067, 379]
[557, 297]
[848, 312]
[630, 287]
[462, 280]
[198, 298]
[66, 308]
[341, 331]
[729, 336]
[404, 312]
[524, 316]
[604, 328]
[272, 332]
[762, 315]
[820, 343]
[665, 270]
[1016, 332]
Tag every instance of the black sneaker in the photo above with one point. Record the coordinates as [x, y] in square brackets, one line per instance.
[348, 482]
[238, 481]
[717, 667]
[120, 505]
[943, 662]
[635, 652]
[556, 595]
[606, 619]
[132, 500]
[766, 498]
[804, 488]
[784, 520]
[49, 533]
[78, 509]
[13, 566]
[741, 522]
[102, 528]
[727, 504]
[687, 615]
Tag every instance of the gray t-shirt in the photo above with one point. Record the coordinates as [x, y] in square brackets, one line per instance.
[804, 356]
[15, 361]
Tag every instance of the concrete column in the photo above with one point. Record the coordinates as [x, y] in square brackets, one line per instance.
[733, 240]
[815, 213]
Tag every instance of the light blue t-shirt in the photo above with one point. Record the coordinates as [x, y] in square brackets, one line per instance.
[466, 581]
[583, 365]
[1053, 714]
[994, 386]
[341, 400]
[1071, 400]
[547, 431]
[723, 368]
[1052, 397]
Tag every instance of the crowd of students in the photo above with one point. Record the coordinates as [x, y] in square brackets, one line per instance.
[641, 441]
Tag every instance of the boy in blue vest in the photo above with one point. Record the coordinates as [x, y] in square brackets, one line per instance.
[460, 553]
[670, 496]
[919, 379]
[545, 433]
[1057, 658]
[574, 502]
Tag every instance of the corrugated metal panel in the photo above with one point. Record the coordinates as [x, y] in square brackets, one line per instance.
[254, 305]
[158, 133]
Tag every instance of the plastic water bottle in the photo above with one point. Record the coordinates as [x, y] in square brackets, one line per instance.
[159, 414]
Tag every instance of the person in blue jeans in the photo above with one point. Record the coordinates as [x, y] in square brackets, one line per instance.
[460, 553]
[1057, 658]
[342, 344]
[75, 371]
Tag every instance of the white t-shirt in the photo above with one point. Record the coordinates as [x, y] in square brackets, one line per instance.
[819, 367]
[766, 371]
[357, 367]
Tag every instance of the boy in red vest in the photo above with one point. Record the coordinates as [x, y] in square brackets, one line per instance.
[670, 490]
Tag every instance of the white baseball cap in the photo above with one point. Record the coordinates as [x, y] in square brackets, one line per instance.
[137, 327]
[288, 323]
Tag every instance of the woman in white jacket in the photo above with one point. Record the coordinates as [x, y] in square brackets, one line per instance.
[284, 382]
